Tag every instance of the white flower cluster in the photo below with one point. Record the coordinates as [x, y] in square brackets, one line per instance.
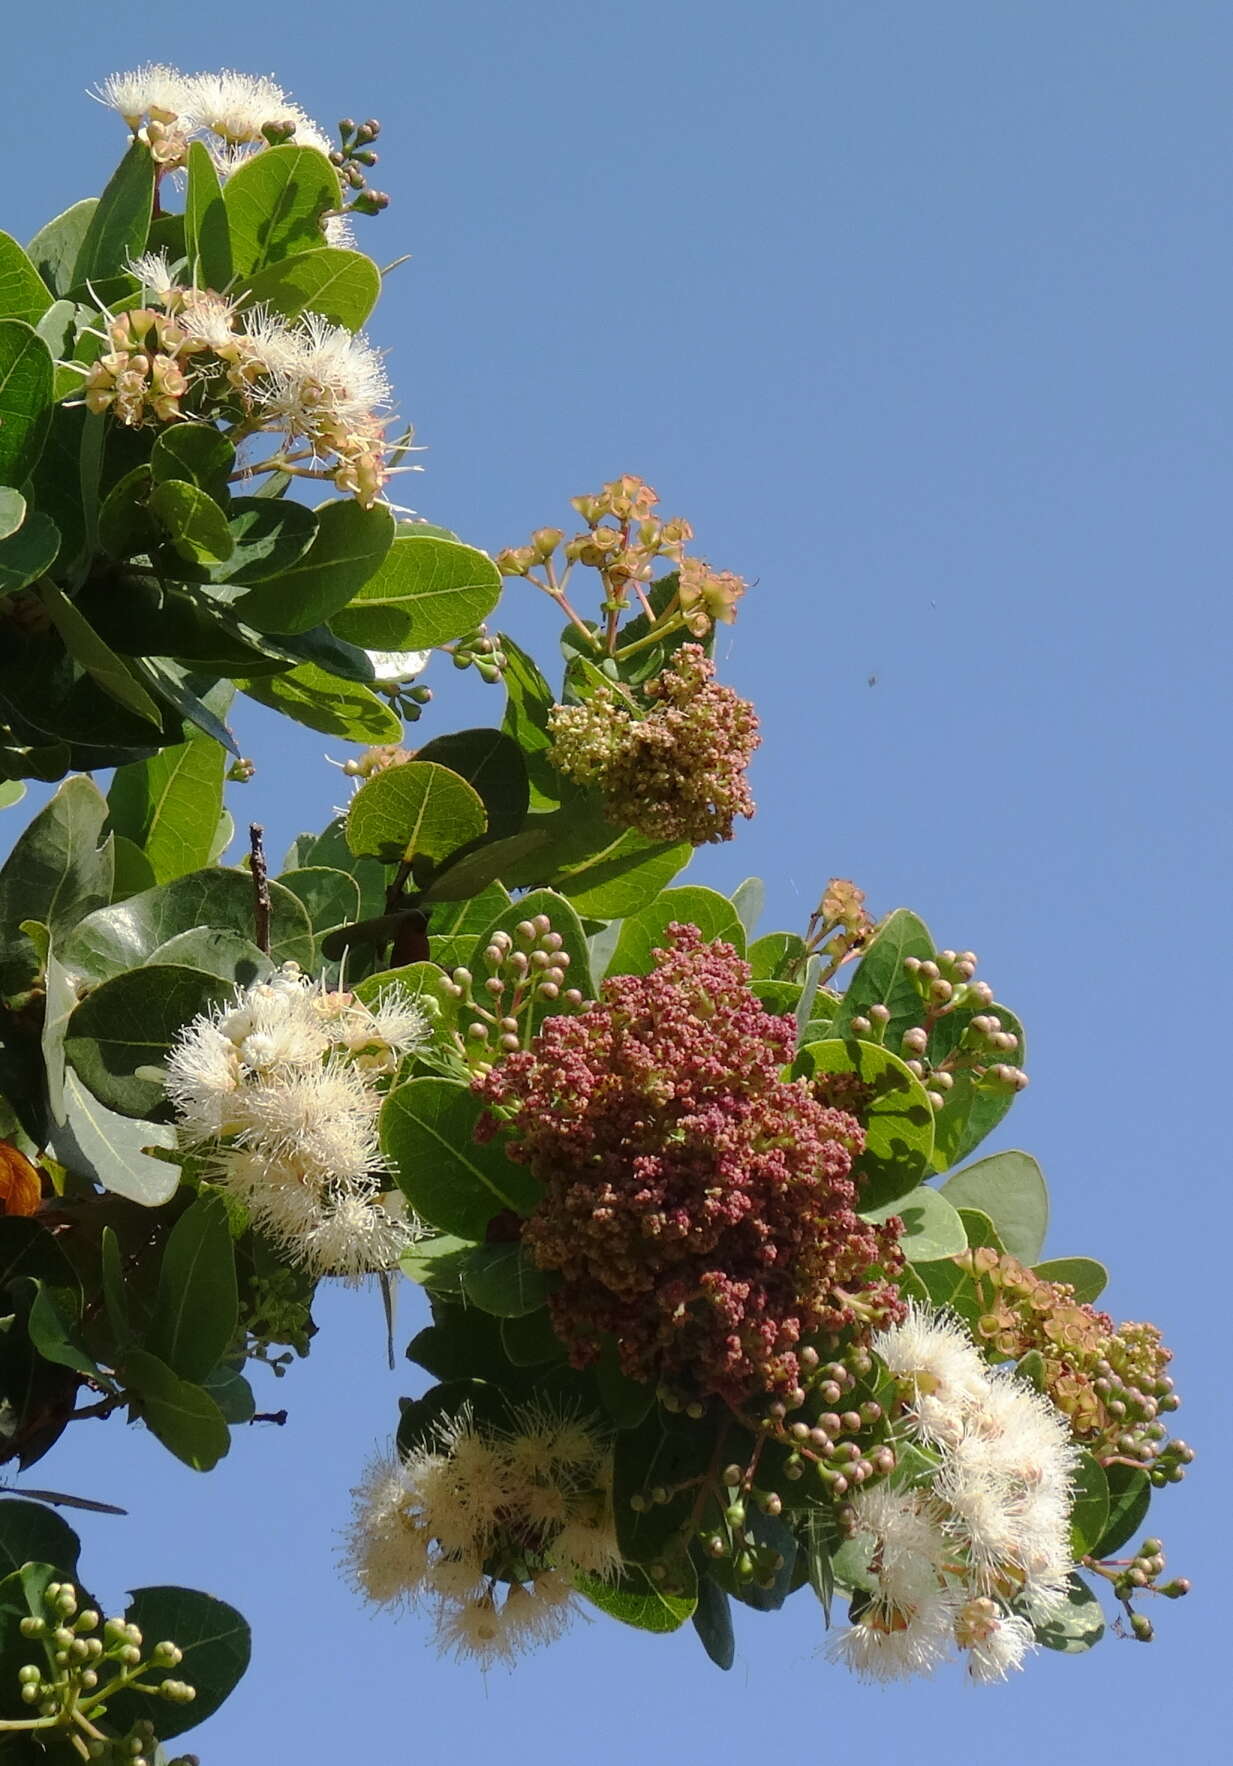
[230, 111]
[281, 1090]
[970, 1558]
[531, 1503]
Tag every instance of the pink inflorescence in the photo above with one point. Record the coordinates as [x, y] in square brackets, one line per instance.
[696, 1205]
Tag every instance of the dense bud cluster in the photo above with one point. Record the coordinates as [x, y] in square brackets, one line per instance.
[696, 1205]
[279, 1091]
[525, 968]
[677, 770]
[479, 1510]
[1110, 1383]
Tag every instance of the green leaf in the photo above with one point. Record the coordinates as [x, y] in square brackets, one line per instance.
[350, 545]
[115, 1295]
[980, 1229]
[664, 1451]
[881, 978]
[27, 379]
[215, 951]
[276, 205]
[119, 226]
[931, 1227]
[749, 899]
[897, 1118]
[322, 702]
[23, 293]
[503, 1280]
[713, 914]
[972, 1109]
[169, 805]
[712, 1620]
[778, 956]
[232, 1394]
[1130, 1495]
[565, 923]
[635, 1600]
[195, 1314]
[627, 1402]
[216, 1642]
[268, 536]
[56, 247]
[531, 1341]
[1087, 1277]
[195, 524]
[124, 936]
[98, 659]
[1089, 1514]
[30, 1533]
[451, 1180]
[426, 592]
[26, 554]
[128, 1024]
[529, 700]
[184, 1418]
[628, 873]
[53, 1337]
[415, 810]
[93, 1141]
[125, 525]
[1010, 1188]
[11, 791]
[207, 234]
[342, 286]
[60, 869]
[1079, 1626]
[12, 508]
[193, 454]
[492, 764]
[437, 1264]
[331, 898]
[481, 865]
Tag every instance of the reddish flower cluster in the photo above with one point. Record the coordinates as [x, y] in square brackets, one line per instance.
[696, 1205]
[679, 772]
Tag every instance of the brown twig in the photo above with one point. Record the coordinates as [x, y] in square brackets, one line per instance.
[261, 887]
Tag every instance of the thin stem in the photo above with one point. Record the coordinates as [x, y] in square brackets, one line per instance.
[261, 887]
[653, 637]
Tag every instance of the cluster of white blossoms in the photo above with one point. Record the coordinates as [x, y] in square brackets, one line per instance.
[231, 113]
[280, 1091]
[970, 1558]
[490, 1526]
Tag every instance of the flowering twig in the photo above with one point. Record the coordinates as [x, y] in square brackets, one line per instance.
[261, 888]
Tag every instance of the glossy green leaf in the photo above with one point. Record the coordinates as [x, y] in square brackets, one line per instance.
[483, 865]
[60, 869]
[322, 702]
[749, 900]
[169, 805]
[184, 1418]
[1089, 1514]
[207, 232]
[1130, 1495]
[276, 205]
[931, 1227]
[215, 951]
[196, 1309]
[342, 286]
[529, 700]
[93, 1141]
[195, 525]
[426, 592]
[635, 1600]
[439, 1265]
[645, 932]
[623, 877]
[121, 937]
[712, 1620]
[27, 377]
[1079, 1625]
[451, 1180]
[350, 545]
[195, 454]
[881, 978]
[216, 1642]
[1087, 1277]
[1010, 1188]
[11, 792]
[778, 956]
[23, 293]
[129, 1023]
[56, 247]
[12, 510]
[28, 552]
[98, 659]
[530, 1341]
[413, 810]
[125, 525]
[492, 764]
[503, 1280]
[32, 1533]
[118, 228]
[232, 1394]
[895, 1112]
[52, 1335]
[330, 897]
[268, 536]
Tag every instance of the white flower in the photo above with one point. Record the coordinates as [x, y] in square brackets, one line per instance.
[320, 1117]
[474, 1630]
[153, 90]
[332, 379]
[355, 1237]
[530, 1617]
[273, 343]
[386, 1549]
[394, 668]
[153, 271]
[909, 1545]
[934, 1355]
[204, 1080]
[995, 1641]
[208, 318]
[890, 1642]
[237, 107]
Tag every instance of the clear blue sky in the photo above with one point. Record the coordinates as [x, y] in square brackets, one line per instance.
[920, 314]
